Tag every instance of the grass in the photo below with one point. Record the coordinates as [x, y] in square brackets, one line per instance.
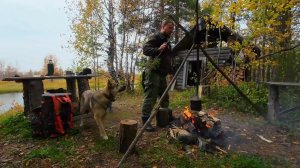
[225, 96]
[69, 150]
[16, 108]
[164, 154]
[180, 99]
[56, 150]
[111, 145]
[10, 87]
[15, 126]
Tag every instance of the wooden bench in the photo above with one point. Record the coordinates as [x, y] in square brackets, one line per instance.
[33, 88]
[273, 99]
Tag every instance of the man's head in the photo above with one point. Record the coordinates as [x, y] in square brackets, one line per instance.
[167, 27]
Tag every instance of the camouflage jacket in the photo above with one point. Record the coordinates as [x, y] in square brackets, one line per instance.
[160, 62]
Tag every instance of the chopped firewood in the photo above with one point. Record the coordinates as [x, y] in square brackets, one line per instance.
[201, 113]
[263, 138]
[218, 148]
[296, 143]
[229, 146]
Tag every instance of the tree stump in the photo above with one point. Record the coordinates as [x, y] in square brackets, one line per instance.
[162, 117]
[128, 130]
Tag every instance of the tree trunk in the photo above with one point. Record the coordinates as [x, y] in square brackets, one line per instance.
[111, 52]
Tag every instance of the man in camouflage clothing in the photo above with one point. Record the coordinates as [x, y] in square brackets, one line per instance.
[158, 49]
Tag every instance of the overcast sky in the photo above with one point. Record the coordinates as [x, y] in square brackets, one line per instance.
[31, 30]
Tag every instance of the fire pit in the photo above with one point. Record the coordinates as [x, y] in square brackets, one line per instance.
[199, 128]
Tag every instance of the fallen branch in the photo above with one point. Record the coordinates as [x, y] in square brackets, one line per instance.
[218, 148]
[263, 138]
[287, 49]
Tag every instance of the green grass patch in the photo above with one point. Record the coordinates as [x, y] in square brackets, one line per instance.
[56, 150]
[180, 99]
[108, 145]
[17, 109]
[10, 87]
[15, 126]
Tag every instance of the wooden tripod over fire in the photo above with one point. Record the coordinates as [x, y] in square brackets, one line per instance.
[157, 106]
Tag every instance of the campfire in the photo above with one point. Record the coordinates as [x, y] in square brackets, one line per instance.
[201, 128]
[205, 124]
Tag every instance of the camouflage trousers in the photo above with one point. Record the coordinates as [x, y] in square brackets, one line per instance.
[154, 86]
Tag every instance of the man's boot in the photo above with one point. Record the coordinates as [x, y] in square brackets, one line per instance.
[149, 127]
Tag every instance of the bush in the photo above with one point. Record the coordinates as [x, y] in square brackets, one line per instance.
[227, 97]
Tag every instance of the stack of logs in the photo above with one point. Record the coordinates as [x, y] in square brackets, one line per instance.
[204, 124]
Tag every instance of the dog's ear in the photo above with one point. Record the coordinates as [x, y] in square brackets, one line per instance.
[109, 84]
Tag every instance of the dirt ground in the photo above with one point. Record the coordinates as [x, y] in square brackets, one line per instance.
[242, 132]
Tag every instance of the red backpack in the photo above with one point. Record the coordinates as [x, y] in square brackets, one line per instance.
[54, 117]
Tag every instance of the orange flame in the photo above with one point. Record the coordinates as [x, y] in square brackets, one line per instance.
[188, 114]
[207, 125]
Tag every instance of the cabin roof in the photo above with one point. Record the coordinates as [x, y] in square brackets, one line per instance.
[213, 35]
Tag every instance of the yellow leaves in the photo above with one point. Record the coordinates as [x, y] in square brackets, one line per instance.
[235, 46]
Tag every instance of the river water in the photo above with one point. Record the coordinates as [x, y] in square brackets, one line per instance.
[7, 100]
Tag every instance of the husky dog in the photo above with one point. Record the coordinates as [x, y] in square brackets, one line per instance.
[98, 102]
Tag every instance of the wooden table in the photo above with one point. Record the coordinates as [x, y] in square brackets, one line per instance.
[33, 88]
[273, 99]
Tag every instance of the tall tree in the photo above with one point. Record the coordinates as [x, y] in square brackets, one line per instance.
[112, 61]
[87, 27]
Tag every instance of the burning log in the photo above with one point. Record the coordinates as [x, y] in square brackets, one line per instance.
[199, 128]
[205, 124]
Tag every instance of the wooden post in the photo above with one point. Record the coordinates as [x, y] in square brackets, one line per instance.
[32, 94]
[83, 85]
[273, 103]
[162, 117]
[71, 88]
[128, 130]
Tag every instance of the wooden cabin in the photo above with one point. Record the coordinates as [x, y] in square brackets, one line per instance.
[223, 56]
[186, 77]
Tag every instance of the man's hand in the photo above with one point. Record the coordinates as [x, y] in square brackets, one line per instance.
[163, 47]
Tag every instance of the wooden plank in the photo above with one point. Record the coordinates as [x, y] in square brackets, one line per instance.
[48, 77]
[209, 50]
[202, 55]
[283, 83]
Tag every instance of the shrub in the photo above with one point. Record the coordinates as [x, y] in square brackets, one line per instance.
[227, 97]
